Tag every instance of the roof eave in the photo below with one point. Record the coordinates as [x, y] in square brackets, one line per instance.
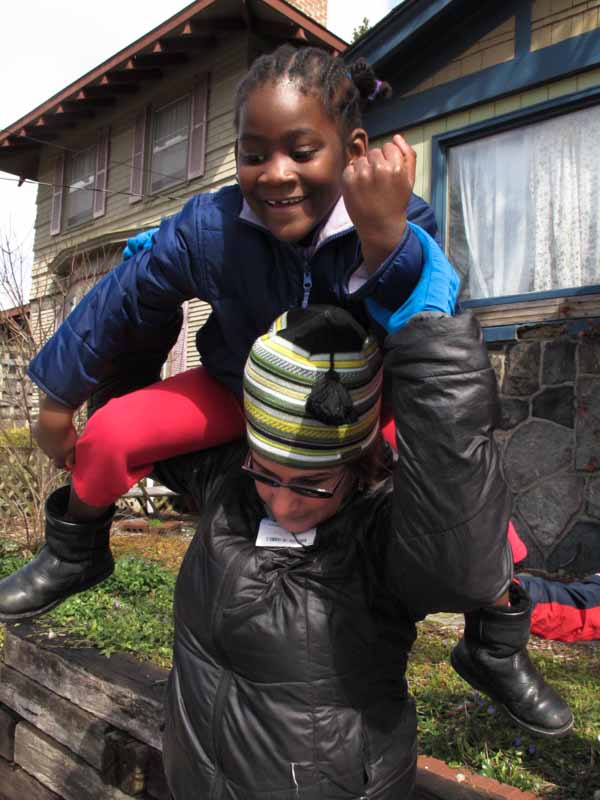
[396, 30]
[21, 142]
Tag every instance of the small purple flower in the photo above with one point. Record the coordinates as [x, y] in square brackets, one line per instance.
[518, 741]
[491, 710]
[116, 604]
[532, 749]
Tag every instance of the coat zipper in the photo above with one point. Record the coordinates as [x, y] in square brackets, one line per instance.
[306, 285]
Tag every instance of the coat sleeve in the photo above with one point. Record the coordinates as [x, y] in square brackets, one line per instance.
[448, 549]
[391, 284]
[201, 473]
[129, 319]
[568, 612]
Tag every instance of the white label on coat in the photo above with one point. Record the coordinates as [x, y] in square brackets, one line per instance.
[270, 534]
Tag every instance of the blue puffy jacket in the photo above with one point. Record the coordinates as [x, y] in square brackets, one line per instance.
[131, 318]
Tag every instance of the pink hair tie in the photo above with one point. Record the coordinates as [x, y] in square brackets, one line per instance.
[375, 92]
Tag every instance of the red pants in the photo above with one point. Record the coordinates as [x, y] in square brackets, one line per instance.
[190, 411]
[123, 439]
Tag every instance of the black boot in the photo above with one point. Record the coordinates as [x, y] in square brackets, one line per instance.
[76, 556]
[492, 657]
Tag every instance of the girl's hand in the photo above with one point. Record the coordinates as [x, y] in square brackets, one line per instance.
[376, 190]
[55, 434]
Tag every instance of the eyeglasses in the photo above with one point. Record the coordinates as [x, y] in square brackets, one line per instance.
[306, 491]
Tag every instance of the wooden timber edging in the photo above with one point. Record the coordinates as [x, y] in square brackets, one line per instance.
[124, 692]
[75, 725]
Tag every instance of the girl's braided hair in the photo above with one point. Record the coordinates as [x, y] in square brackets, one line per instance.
[345, 90]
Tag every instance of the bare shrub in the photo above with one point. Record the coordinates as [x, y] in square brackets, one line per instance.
[27, 475]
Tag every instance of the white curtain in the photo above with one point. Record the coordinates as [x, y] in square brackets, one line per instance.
[524, 207]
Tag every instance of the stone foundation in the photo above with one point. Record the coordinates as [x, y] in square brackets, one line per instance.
[549, 382]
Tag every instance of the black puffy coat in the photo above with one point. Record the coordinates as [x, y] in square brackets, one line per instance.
[289, 665]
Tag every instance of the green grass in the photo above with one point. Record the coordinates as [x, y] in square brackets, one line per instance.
[465, 729]
[132, 612]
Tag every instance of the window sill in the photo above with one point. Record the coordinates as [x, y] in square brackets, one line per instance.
[564, 304]
[159, 194]
[76, 226]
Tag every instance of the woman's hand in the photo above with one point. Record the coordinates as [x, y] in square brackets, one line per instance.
[55, 434]
[376, 190]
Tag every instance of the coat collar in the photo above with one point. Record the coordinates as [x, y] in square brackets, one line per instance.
[337, 222]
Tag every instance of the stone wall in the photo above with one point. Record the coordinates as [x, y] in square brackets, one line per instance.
[549, 381]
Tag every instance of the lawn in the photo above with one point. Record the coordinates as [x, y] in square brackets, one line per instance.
[132, 612]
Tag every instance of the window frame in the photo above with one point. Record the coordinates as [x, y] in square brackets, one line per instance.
[198, 93]
[443, 142]
[151, 130]
[68, 226]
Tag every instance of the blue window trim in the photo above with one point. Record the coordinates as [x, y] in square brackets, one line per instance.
[523, 29]
[525, 71]
[441, 143]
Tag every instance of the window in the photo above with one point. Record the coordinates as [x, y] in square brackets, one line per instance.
[524, 207]
[79, 189]
[79, 185]
[169, 143]
[169, 147]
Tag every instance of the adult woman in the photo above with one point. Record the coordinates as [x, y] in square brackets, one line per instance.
[295, 604]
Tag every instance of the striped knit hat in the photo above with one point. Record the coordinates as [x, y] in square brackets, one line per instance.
[312, 389]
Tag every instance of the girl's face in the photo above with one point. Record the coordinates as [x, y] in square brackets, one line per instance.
[290, 159]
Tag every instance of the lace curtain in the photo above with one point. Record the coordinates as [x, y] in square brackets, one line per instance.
[524, 211]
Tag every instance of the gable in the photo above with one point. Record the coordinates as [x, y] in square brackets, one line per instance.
[476, 53]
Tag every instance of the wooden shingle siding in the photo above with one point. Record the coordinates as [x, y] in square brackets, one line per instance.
[494, 48]
[553, 21]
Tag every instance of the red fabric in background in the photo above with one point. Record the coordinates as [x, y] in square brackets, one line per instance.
[568, 612]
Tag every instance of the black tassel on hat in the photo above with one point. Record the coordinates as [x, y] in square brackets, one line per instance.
[324, 356]
[329, 401]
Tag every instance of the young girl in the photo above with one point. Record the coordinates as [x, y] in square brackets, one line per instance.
[316, 216]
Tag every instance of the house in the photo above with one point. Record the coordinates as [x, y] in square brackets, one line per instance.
[129, 142]
[501, 102]
[16, 400]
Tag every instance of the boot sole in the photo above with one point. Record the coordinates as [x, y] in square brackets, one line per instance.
[466, 676]
[26, 616]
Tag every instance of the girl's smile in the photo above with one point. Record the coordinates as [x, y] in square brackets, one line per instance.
[290, 158]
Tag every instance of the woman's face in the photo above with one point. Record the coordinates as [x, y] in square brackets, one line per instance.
[295, 512]
[290, 159]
